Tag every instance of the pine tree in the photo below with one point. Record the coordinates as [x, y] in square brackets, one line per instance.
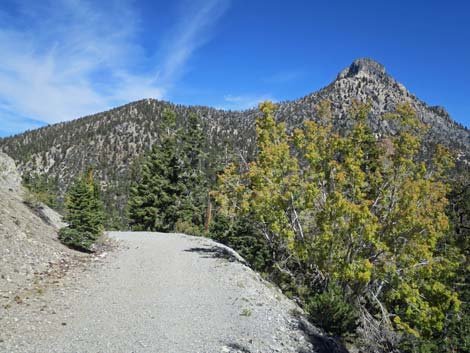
[84, 214]
[170, 194]
[194, 198]
[152, 203]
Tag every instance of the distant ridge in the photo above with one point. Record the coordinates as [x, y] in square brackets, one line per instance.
[112, 140]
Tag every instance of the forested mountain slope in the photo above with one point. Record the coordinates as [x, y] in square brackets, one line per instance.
[111, 141]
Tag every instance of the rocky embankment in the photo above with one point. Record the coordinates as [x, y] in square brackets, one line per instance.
[29, 249]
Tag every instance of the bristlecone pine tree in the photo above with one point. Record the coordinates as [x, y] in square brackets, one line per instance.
[84, 214]
[171, 192]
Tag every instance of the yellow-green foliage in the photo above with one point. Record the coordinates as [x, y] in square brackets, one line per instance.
[356, 208]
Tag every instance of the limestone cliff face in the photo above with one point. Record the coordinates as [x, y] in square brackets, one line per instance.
[112, 140]
[10, 179]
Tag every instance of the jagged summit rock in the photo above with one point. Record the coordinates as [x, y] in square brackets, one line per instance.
[442, 112]
[363, 66]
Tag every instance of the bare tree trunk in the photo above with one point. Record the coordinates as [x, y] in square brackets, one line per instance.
[208, 214]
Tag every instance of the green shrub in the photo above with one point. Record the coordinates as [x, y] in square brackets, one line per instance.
[30, 199]
[84, 214]
[243, 238]
[187, 227]
[42, 188]
[76, 239]
[331, 311]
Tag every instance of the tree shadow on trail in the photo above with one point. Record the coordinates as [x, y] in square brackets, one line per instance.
[216, 252]
[237, 348]
[321, 343]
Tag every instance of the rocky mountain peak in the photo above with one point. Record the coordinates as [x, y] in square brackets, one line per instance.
[363, 66]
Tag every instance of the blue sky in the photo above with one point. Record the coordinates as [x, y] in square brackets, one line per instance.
[62, 59]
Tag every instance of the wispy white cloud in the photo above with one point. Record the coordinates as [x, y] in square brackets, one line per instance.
[198, 18]
[48, 66]
[241, 102]
[62, 59]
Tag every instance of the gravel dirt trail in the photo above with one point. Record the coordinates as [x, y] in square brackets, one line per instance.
[158, 293]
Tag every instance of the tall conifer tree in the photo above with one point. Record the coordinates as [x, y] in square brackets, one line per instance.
[172, 187]
[152, 200]
[84, 213]
[193, 156]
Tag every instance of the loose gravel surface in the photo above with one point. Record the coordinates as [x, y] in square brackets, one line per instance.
[157, 293]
